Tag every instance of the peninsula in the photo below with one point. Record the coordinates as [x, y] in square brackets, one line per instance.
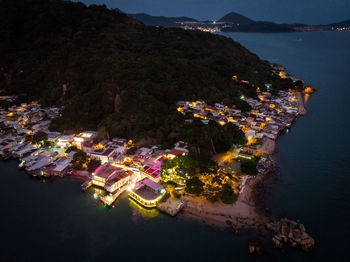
[181, 120]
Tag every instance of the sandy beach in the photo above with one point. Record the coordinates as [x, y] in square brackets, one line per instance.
[243, 214]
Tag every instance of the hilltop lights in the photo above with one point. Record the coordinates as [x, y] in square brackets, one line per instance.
[242, 97]
[308, 90]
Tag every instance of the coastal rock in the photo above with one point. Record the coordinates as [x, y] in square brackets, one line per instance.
[294, 244]
[255, 248]
[290, 232]
[307, 244]
[277, 241]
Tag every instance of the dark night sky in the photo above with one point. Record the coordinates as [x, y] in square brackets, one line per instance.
[288, 11]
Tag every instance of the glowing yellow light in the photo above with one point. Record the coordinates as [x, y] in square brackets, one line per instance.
[99, 146]
[86, 134]
[251, 140]
[209, 109]
[130, 143]
[180, 109]
[308, 90]
[145, 202]
[199, 116]
[282, 74]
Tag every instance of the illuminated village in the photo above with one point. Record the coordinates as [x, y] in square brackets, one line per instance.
[119, 165]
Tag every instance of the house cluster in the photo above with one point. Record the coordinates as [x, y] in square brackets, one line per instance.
[269, 115]
[280, 70]
[27, 118]
[136, 168]
[18, 124]
[123, 165]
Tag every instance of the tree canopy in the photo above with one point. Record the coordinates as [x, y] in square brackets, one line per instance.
[112, 72]
[80, 160]
[194, 186]
[248, 166]
[39, 137]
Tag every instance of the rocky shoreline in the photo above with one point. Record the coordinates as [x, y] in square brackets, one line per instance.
[250, 212]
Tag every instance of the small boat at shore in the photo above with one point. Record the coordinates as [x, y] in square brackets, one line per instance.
[86, 185]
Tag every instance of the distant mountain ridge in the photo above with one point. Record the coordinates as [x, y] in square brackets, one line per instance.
[161, 20]
[233, 22]
[236, 18]
[341, 24]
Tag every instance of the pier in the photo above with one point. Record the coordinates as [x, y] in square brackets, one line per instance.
[85, 186]
[109, 199]
[171, 206]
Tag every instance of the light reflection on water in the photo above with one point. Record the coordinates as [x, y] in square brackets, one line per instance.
[138, 210]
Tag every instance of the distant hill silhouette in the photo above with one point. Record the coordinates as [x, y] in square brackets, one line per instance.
[236, 18]
[161, 20]
[234, 22]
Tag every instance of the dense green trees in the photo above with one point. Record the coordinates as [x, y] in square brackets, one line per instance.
[71, 148]
[113, 72]
[213, 137]
[39, 138]
[227, 195]
[194, 186]
[183, 166]
[80, 160]
[249, 166]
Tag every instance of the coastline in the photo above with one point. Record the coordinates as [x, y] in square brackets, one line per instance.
[249, 210]
[246, 213]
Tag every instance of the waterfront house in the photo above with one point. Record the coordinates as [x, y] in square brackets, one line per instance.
[147, 192]
[61, 166]
[112, 178]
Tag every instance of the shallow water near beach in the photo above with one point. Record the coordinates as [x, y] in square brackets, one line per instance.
[55, 221]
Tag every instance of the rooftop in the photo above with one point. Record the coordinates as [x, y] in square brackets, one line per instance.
[117, 177]
[146, 193]
[106, 171]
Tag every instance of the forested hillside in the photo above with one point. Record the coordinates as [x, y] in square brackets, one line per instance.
[114, 74]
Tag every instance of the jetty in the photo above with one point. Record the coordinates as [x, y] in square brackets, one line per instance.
[171, 206]
[86, 185]
[302, 109]
[110, 198]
